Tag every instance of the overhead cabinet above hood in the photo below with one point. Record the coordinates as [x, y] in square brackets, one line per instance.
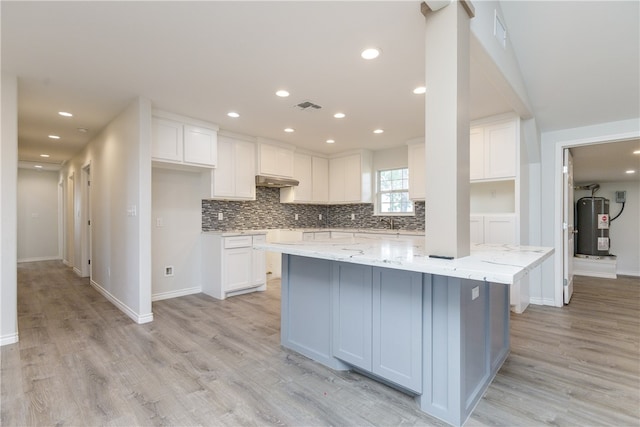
[273, 181]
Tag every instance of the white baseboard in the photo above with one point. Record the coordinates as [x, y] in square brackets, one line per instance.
[138, 318]
[66, 262]
[175, 294]
[77, 271]
[542, 301]
[629, 273]
[42, 258]
[600, 274]
[9, 339]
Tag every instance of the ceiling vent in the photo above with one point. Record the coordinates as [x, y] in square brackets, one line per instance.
[307, 106]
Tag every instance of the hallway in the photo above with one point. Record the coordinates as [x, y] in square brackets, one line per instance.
[80, 361]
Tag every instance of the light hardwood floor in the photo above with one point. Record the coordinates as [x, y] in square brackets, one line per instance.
[80, 361]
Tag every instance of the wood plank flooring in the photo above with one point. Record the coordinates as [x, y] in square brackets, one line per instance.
[80, 361]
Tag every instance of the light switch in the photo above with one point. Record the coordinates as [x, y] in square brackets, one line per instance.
[220, 216]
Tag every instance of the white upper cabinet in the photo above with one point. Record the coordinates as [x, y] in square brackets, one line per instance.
[350, 178]
[183, 141]
[493, 150]
[417, 172]
[200, 145]
[275, 160]
[313, 174]
[234, 178]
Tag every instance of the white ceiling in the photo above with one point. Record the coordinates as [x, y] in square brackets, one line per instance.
[606, 162]
[580, 62]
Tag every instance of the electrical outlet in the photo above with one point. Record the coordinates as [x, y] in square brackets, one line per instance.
[159, 222]
[320, 217]
[295, 217]
[168, 271]
[220, 216]
[353, 217]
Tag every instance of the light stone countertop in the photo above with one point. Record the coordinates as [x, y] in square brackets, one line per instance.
[231, 233]
[494, 263]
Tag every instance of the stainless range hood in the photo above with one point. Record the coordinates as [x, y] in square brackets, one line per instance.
[273, 181]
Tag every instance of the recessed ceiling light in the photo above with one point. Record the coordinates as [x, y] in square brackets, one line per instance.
[233, 114]
[420, 90]
[65, 114]
[282, 93]
[636, 152]
[38, 166]
[378, 131]
[370, 53]
[330, 141]
[630, 171]
[44, 155]
[289, 130]
[339, 115]
[54, 137]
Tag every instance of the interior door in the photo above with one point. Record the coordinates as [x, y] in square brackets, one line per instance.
[568, 225]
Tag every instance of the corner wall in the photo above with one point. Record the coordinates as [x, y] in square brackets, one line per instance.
[120, 163]
[8, 200]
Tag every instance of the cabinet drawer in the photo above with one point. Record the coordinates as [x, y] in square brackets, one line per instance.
[259, 239]
[238, 242]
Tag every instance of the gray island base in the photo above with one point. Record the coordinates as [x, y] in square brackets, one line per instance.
[441, 339]
[435, 329]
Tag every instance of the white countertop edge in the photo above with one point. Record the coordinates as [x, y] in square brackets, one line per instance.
[493, 263]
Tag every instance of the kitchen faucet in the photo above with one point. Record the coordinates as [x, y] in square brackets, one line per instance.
[388, 221]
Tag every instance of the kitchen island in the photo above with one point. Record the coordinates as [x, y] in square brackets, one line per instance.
[434, 328]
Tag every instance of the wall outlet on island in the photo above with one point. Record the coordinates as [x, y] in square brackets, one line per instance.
[220, 216]
[353, 217]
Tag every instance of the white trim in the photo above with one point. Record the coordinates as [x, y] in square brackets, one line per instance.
[9, 339]
[558, 201]
[541, 301]
[600, 274]
[628, 273]
[175, 294]
[40, 258]
[66, 262]
[77, 271]
[140, 319]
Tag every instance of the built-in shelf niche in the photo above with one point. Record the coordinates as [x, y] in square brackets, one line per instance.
[493, 197]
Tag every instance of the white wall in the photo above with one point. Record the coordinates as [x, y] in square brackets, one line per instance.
[37, 215]
[8, 221]
[549, 290]
[391, 158]
[176, 230]
[120, 159]
[624, 232]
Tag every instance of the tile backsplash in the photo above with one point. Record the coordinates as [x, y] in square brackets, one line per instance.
[267, 212]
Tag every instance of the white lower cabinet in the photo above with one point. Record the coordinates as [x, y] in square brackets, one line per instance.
[494, 229]
[316, 235]
[377, 322]
[340, 234]
[231, 266]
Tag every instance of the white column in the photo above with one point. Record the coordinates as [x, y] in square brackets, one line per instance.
[447, 131]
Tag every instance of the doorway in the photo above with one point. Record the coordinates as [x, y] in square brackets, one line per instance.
[85, 221]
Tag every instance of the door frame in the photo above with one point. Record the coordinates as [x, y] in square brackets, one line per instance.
[85, 217]
[559, 201]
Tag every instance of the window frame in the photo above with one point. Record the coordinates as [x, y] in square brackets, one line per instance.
[379, 193]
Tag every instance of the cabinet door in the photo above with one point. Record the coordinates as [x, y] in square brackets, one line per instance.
[476, 153]
[200, 145]
[166, 137]
[397, 327]
[275, 160]
[245, 170]
[417, 172]
[353, 178]
[237, 269]
[351, 285]
[336, 179]
[302, 171]
[476, 231]
[320, 180]
[308, 236]
[500, 150]
[500, 229]
[224, 174]
[259, 263]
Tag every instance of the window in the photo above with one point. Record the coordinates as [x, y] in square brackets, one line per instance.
[393, 192]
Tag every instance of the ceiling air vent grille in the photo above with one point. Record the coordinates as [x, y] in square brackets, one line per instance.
[307, 106]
